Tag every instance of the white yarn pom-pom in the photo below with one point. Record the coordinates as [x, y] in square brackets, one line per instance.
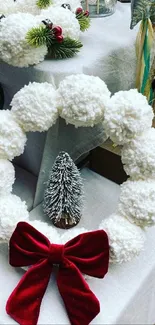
[35, 107]
[14, 48]
[7, 7]
[49, 231]
[12, 137]
[82, 99]
[127, 115]
[7, 176]
[137, 202]
[64, 18]
[72, 233]
[27, 6]
[138, 156]
[125, 239]
[12, 210]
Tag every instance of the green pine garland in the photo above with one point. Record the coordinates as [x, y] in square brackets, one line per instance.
[84, 21]
[67, 49]
[42, 36]
[43, 3]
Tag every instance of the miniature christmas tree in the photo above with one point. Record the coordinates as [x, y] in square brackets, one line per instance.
[63, 195]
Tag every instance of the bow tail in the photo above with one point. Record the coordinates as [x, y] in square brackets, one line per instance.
[81, 303]
[24, 303]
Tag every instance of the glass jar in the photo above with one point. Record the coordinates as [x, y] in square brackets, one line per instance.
[99, 8]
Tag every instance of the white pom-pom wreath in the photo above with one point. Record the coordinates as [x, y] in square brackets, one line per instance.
[125, 239]
[82, 99]
[71, 233]
[53, 235]
[35, 107]
[12, 137]
[49, 231]
[138, 156]
[12, 210]
[14, 48]
[7, 176]
[137, 202]
[127, 115]
[64, 18]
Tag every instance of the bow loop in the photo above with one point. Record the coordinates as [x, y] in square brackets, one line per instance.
[56, 254]
[87, 253]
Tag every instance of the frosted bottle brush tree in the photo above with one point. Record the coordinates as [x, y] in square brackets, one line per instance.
[63, 196]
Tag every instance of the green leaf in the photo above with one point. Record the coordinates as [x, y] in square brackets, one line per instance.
[84, 21]
[43, 3]
[141, 9]
[67, 49]
[39, 36]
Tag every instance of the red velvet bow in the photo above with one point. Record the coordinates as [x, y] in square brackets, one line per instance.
[87, 253]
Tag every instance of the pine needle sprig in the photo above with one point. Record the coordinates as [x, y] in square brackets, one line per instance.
[42, 4]
[84, 21]
[67, 49]
[39, 36]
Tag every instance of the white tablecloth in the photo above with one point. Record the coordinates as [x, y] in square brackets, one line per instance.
[126, 294]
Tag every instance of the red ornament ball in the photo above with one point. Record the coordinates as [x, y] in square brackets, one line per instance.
[79, 10]
[57, 31]
[59, 38]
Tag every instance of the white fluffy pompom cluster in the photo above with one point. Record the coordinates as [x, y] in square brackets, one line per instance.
[12, 210]
[64, 18]
[7, 7]
[14, 48]
[137, 202]
[127, 115]
[50, 232]
[82, 99]
[71, 233]
[138, 156]
[35, 107]
[12, 137]
[7, 176]
[27, 6]
[125, 239]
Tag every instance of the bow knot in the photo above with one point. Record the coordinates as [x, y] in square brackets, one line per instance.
[87, 253]
[56, 254]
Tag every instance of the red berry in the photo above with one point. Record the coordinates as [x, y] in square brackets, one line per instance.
[59, 38]
[86, 13]
[57, 31]
[78, 11]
